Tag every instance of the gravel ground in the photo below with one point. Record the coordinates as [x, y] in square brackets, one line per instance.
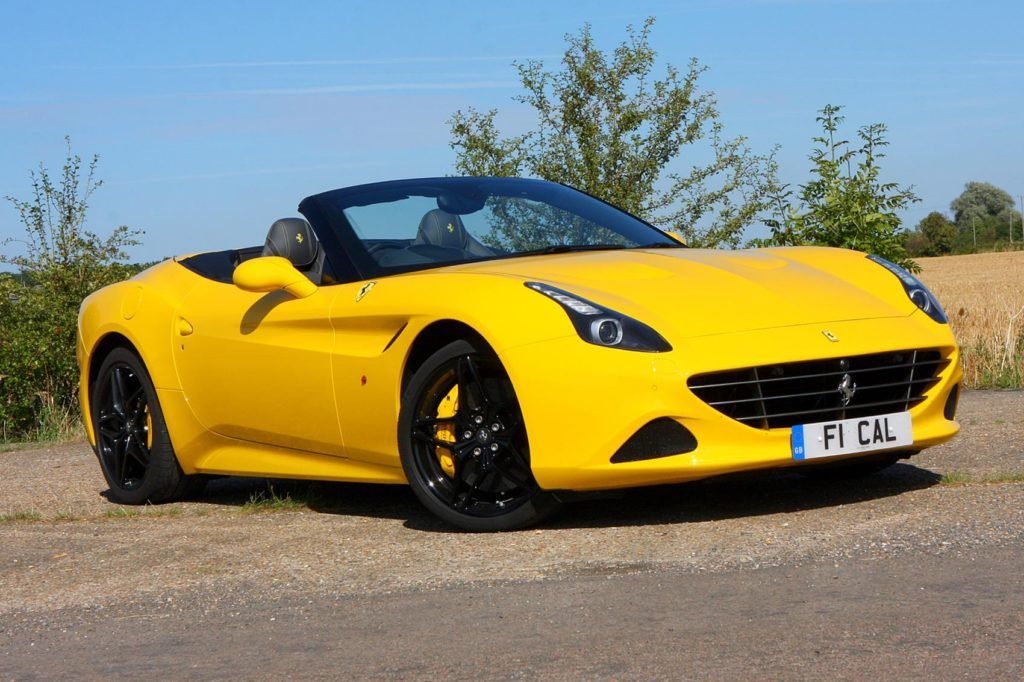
[65, 481]
[954, 616]
[85, 564]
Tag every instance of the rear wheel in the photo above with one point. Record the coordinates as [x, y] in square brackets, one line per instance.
[463, 443]
[132, 442]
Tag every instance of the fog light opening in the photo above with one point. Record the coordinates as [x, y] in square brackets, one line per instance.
[662, 437]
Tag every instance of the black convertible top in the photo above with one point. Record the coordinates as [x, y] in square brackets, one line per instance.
[219, 265]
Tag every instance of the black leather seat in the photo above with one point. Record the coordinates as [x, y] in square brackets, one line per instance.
[293, 238]
[441, 228]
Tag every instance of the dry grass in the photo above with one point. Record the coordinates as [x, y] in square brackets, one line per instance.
[271, 500]
[966, 478]
[21, 515]
[56, 424]
[984, 297]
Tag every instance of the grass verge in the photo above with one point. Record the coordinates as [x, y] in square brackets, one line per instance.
[119, 512]
[146, 510]
[55, 425]
[957, 477]
[270, 500]
[28, 515]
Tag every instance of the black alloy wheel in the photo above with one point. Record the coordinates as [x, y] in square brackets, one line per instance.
[124, 427]
[132, 442]
[464, 445]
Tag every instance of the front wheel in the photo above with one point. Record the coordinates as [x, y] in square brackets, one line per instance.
[132, 442]
[463, 443]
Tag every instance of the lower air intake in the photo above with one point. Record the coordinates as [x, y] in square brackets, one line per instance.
[660, 438]
[949, 411]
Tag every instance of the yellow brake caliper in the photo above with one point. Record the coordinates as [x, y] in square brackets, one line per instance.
[149, 429]
[448, 407]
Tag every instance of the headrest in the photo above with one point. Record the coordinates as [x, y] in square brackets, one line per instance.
[292, 238]
[441, 228]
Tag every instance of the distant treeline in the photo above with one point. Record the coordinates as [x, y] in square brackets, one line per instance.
[984, 218]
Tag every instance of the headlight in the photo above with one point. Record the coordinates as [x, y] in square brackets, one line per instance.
[918, 292]
[604, 327]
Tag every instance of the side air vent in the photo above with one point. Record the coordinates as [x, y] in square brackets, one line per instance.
[660, 438]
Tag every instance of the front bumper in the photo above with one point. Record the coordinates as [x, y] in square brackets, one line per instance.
[82, 356]
[582, 402]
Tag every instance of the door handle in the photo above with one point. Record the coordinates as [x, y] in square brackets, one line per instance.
[184, 327]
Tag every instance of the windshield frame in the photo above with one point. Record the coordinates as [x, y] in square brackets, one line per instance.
[350, 259]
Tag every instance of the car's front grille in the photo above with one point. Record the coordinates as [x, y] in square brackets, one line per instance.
[778, 396]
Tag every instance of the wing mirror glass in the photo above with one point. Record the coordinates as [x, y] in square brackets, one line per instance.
[272, 273]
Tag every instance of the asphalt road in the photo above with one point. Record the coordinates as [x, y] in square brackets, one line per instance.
[936, 617]
[912, 573]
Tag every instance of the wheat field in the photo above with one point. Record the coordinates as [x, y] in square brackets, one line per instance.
[983, 294]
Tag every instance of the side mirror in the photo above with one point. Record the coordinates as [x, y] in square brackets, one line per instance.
[272, 273]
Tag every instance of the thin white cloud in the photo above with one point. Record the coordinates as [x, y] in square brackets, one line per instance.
[823, 2]
[373, 87]
[351, 88]
[998, 61]
[305, 63]
[245, 173]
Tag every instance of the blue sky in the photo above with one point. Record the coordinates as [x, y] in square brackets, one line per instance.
[214, 118]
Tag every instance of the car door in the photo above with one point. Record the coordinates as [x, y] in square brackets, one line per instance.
[367, 368]
[257, 366]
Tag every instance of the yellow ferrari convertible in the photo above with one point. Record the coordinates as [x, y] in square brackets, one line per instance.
[497, 343]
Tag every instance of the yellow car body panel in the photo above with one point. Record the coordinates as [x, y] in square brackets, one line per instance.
[266, 384]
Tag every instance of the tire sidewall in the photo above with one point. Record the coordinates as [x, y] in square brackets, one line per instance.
[532, 511]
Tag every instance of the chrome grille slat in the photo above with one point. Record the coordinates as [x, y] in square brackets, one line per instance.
[837, 373]
[781, 395]
[899, 403]
[910, 383]
[760, 396]
[829, 392]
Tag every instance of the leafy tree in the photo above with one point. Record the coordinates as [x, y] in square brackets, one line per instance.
[984, 210]
[61, 262]
[940, 233]
[845, 203]
[980, 234]
[605, 125]
[935, 236]
[916, 244]
[981, 200]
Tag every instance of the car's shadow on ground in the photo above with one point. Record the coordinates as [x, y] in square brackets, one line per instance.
[725, 497]
[740, 496]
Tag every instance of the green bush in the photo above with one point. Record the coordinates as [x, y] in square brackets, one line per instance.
[845, 203]
[61, 262]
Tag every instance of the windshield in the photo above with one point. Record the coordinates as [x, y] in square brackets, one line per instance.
[412, 224]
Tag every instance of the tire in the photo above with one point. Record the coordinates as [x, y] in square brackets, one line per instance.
[852, 468]
[132, 442]
[470, 467]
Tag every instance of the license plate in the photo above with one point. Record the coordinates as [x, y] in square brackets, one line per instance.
[847, 436]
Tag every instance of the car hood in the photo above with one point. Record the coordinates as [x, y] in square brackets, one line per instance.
[699, 292]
